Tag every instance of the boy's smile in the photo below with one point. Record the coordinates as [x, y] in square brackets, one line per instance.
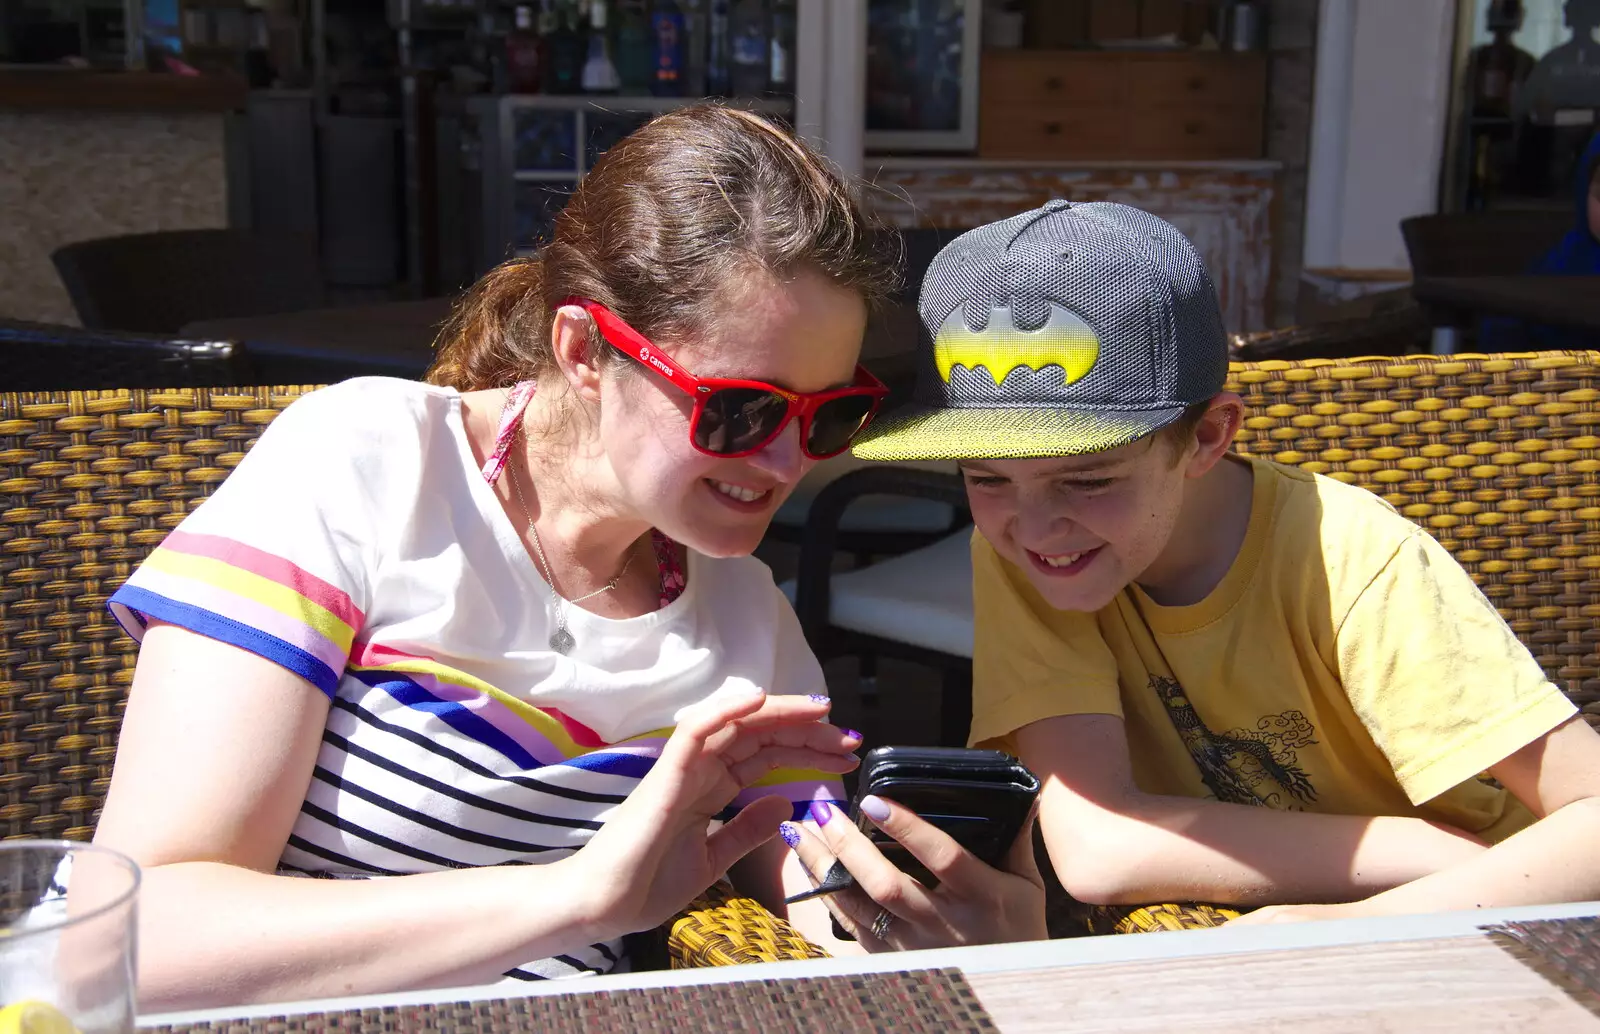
[1083, 527]
[1064, 564]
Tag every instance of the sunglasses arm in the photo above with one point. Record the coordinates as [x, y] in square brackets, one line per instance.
[637, 346]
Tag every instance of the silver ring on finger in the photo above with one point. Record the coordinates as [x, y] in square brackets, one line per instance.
[881, 923]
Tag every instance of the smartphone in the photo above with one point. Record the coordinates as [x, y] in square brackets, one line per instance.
[981, 798]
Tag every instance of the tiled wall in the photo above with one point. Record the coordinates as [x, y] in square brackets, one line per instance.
[1226, 209]
[69, 176]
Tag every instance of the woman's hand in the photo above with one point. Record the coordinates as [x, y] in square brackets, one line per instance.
[890, 911]
[655, 852]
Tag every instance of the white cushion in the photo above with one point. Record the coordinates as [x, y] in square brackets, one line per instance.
[922, 598]
[872, 512]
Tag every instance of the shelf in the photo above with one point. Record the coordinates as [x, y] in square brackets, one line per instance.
[647, 102]
[76, 90]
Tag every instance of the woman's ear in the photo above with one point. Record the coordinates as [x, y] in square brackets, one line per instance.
[574, 345]
[1215, 433]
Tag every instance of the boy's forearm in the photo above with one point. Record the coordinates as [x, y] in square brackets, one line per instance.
[1550, 861]
[1184, 849]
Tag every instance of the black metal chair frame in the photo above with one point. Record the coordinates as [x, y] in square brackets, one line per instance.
[1400, 331]
[821, 540]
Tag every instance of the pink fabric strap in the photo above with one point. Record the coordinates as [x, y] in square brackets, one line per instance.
[672, 573]
[510, 423]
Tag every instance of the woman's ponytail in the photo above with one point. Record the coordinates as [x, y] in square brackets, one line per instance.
[498, 333]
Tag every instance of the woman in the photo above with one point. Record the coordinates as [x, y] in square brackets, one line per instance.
[498, 637]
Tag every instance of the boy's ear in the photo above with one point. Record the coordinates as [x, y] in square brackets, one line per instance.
[1215, 433]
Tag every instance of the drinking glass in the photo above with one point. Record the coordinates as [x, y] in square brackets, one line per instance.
[67, 938]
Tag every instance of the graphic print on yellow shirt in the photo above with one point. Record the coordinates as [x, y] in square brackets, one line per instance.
[1345, 664]
[1244, 766]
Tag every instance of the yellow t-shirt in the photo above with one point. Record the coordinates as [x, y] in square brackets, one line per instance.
[1345, 664]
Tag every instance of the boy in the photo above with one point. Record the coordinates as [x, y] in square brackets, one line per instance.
[1240, 683]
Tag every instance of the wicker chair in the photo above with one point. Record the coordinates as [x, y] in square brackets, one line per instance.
[90, 483]
[155, 283]
[1481, 243]
[1495, 455]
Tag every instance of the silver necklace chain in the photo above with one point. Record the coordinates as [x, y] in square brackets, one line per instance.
[561, 640]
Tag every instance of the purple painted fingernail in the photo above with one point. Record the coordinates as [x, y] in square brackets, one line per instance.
[874, 808]
[851, 734]
[790, 834]
[818, 698]
[821, 812]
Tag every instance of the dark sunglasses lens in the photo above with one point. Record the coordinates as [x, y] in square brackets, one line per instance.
[837, 421]
[739, 420]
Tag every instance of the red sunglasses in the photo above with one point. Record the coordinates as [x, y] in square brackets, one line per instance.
[738, 417]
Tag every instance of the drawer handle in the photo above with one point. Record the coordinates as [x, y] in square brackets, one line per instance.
[1053, 83]
[1052, 128]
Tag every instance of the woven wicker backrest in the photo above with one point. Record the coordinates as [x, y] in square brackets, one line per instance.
[1496, 456]
[90, 482]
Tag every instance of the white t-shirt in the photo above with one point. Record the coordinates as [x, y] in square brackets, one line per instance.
[358, 545]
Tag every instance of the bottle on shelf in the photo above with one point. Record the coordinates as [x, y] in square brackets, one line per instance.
[780, 68]
[695, 32]
[524, 53]
[599, 71]
[667, 49]
[634, 46]
[719, 72]
[751, 55]
[564, 48]
[1499, 66]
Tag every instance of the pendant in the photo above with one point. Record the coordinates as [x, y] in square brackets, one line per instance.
[561, 641]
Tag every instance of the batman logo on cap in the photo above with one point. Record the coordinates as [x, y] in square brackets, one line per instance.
[1065, 341]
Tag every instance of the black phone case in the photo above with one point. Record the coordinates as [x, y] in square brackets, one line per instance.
[981, 798]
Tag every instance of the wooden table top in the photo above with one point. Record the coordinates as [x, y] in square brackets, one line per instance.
[1566, 301]
[1411, 973]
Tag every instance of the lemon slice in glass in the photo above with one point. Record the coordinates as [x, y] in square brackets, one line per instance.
[34, 1017]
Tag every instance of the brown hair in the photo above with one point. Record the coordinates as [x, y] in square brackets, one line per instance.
[1178, 434]
[685, 205]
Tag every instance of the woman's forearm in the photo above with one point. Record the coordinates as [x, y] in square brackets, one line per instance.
[1551, 861]
[213, 934]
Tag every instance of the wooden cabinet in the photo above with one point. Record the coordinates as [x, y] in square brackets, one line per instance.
[1090, 105]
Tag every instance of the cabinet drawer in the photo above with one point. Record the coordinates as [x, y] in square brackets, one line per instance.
[1046, 77]
[1233, 81]
[1044, 132]
[1196, 134]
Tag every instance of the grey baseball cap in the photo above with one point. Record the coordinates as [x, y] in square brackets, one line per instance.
[1067, 330]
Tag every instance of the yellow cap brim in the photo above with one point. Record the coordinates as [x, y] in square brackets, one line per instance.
[939, 433]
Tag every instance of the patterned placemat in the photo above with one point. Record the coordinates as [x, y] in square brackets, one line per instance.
[937, 1001]
[1565, 952]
